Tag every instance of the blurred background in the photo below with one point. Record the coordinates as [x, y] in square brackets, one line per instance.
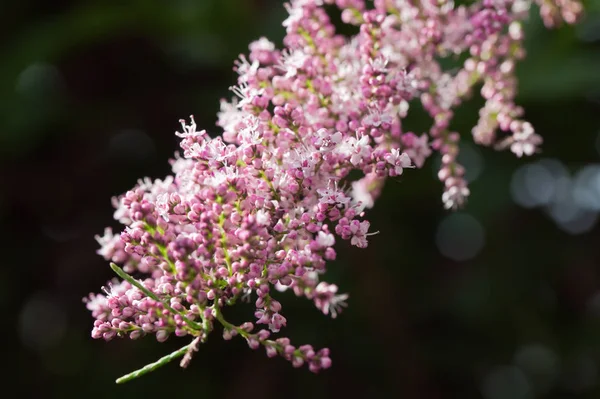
[498, 301]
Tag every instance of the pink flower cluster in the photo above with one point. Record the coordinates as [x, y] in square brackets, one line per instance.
[258, 210]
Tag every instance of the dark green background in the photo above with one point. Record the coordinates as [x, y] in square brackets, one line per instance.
[90, 95]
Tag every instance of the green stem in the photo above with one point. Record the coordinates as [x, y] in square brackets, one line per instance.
[121, 273]
[153, 366]
[224, 244]
[225, 323]
[245, 334]
[263, 175]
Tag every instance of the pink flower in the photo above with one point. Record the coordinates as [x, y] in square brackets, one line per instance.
[525, 141]
[398, 160]
[260, 206]
[416, 148]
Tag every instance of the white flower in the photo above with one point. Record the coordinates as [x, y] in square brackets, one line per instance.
[327, 141]
[419, 150]
[379, 64]
[250, 135]
[361, 194]
[295, 16]
[333, 196]
[262, 217]
[455, 196]
[262, 44]
[360, 234]
[245, 69]
[162, 205]
[357, 150]
[246, 93]
[377, 117]
[398, 160]
[107, 243]
[302, 159]
[229, 115]
[325, 239]
[525, 141]
[291, 62]
[327, 300]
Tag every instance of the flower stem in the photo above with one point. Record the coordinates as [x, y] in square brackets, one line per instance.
[153, 366]
[121, 273]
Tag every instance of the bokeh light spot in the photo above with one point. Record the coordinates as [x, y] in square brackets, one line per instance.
[506, 382]
[39, 80]
[42, 323]
[460, 237]
[540, 364]
[533, 185]
[586, 187]
[470, 157]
